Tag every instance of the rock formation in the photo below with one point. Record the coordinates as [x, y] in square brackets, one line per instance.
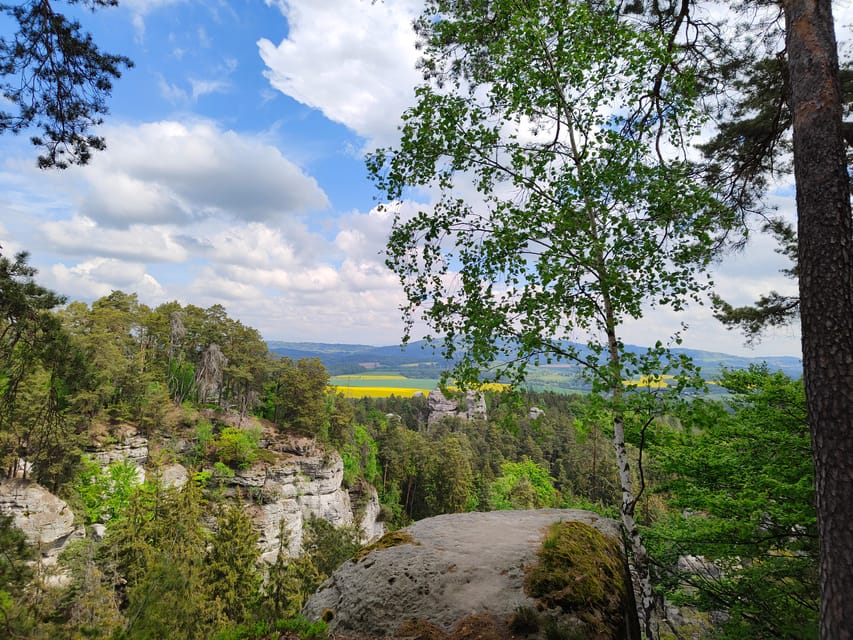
[297, 482]
[488, 574]
[295, 489]
[472, 407]
[46, 520]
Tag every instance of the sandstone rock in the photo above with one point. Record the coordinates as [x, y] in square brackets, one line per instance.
[128, 446]
[473, 407]
[174, 475]
[456, 573]
[293, 490]
[370, 524]
[45, 519]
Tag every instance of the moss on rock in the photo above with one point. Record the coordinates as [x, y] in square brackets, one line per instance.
[392, 539]
[581, 571]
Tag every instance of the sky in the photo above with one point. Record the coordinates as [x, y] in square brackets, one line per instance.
[235, 175]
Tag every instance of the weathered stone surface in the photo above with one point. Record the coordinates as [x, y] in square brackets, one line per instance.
[473, 407]
[174, 475]
[126, 446]
[456, 568]
[45, 519]
[293, 490]
[370, 524]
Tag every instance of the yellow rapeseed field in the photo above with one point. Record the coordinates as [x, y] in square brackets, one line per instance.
[378, 392]
[652, 382]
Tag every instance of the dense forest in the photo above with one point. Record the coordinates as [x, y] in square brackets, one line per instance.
[726, 488]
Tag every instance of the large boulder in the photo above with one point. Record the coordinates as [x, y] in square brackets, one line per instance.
[497, 575]
[45, 519]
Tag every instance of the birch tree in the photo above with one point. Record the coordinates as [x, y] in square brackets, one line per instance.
[549, 135]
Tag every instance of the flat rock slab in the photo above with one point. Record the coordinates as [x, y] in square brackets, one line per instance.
[455, 567]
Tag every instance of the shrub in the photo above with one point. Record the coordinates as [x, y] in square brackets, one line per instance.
[238, 447]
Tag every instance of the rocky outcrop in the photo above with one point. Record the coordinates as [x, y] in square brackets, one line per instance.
[124, 445]
[296, 481]
[292, 490]
[477, 573]
[44, 518]
[471, 407]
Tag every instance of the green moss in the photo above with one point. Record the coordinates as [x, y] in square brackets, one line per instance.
[581, 571]
[392, 539]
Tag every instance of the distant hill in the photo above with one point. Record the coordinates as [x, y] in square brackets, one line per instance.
[420, 360]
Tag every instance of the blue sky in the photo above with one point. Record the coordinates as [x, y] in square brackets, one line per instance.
[234, 175]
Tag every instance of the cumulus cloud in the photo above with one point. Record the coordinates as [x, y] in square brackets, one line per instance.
[358, 69]
[98, 277]
[80, 236]
[179, 172]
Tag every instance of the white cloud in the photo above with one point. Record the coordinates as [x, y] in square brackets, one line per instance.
[358, 69]
[140, 8]
[205, 87]
[98, 277]
[80, 236]
[178, 172]
[172, 93]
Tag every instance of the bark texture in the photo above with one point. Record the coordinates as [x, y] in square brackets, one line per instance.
[826, 294]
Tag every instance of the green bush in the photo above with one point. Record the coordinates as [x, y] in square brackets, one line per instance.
[105, 491]
[238, 447]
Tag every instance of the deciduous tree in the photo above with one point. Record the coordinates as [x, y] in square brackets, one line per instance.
[582, 210]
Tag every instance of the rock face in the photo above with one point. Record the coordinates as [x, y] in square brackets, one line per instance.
[127, 446]
[45, 519]
[457, 573]
[293, 490]
[473, 407]
[297, 482]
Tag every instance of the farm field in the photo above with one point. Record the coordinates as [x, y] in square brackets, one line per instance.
[381, 385]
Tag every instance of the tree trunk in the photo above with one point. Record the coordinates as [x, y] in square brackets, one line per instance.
[639, 555]
[825, 263]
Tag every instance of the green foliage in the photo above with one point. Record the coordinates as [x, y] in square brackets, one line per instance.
[361, 461]
[203, 438]
[295, 395]
[306, 629]
[106, 491]
[15, 568]
[57, 80]
[282, 593]
[522, 485]
[577, 221]
[237, 447]
[742, 483]
[181, 380]
[231, 565]
[298, 624]
[222, 471]
[42, 375]
[328, 546]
